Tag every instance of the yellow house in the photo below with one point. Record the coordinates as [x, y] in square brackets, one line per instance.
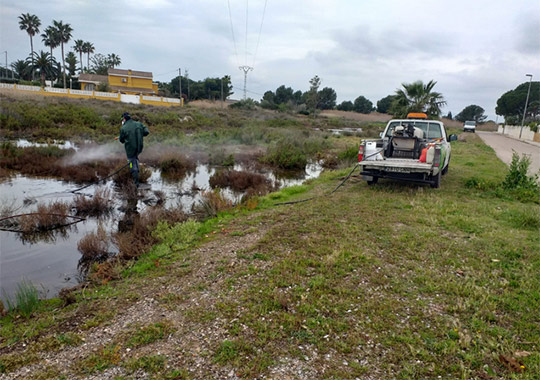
[123, 81]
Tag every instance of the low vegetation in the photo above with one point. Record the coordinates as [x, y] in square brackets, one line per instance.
[395, 280]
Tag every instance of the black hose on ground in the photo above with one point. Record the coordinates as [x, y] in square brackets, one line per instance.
[333, 191]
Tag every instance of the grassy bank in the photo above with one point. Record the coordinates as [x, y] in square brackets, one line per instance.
[390, 281]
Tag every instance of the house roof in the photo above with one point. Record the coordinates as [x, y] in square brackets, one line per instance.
[133, 73]
[93, 78]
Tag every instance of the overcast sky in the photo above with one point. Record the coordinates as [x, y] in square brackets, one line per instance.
[474, 49]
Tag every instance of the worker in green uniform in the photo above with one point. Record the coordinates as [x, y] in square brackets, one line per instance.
[131, 135]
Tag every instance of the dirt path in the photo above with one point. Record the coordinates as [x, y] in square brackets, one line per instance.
[504, 147]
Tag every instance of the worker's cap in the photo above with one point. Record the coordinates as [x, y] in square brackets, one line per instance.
[126, 116]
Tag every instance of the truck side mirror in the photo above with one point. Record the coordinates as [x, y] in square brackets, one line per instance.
[453, 137]
[381, 134]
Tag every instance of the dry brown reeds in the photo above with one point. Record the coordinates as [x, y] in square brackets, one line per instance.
[47, 217]
[239, 180]
[176, 165]
[133, 243]
[94, 247]
[124, 177]
[211, 203]
[98, 204]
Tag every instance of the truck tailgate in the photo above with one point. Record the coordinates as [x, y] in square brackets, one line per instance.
[398, 165]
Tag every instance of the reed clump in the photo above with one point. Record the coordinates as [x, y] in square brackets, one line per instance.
[46, 217]
[176, 165]
[211, 204]
[98, 204]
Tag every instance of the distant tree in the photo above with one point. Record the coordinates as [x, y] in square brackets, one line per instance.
[30, 23]
[79, 48]
[449, 116]
[511, 103]
[63, 31]
[44, 65]
[327, 98]
[472, 112]
[312, 96]
[383, 105]
[22, 69]
[71, 60]
[268, 100]
[346, 105]
[113, 60]
[417, 97]
[363, 105]
[100, 65]
[88, 48]
[283, 95]
[297, 96]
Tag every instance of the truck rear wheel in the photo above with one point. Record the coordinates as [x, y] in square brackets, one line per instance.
[436, 180]
[373, 181]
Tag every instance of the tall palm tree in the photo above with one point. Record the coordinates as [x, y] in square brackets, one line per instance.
[417, 97]
[88, 49]
[44, 64]
[31, 24]
[79, 48]
[50, 38]
[64, 35]
[113, 60]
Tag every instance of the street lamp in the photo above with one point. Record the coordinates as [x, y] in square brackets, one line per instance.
[526, 103]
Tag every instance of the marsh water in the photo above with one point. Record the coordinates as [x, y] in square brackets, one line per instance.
[50, 261]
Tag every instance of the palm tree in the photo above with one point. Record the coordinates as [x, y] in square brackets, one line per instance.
[31, 24]
[50, 38]
[417, 97]
[88, 48]
[64, 35]
[113, 60]
[43, 63]
[21, 69]
[79, 48]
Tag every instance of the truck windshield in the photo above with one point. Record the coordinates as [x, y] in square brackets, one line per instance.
[431, 130]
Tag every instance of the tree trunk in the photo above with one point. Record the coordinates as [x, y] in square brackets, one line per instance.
[32, 55]
[63, 65]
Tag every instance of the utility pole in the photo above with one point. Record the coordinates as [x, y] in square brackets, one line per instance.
[6, 64]
[526, 103]
[246, 69]
[186, 74]
[180, 84]
[221, 92]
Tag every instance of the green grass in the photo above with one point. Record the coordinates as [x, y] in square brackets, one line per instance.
[395, 280]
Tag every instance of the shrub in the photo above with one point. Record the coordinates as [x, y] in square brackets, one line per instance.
[246, 104]
[286, 155]
[47, 217]
[517, 176]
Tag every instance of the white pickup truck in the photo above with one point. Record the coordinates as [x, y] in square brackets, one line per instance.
[413, 149]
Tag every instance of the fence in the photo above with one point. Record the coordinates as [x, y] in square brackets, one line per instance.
[515, 131]
[79, 94]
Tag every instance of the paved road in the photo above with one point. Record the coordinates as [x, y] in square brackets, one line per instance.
[504, 147]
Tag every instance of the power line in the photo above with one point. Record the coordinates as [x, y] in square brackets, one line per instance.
[260, 31]
[232, 30]
[247, 7]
